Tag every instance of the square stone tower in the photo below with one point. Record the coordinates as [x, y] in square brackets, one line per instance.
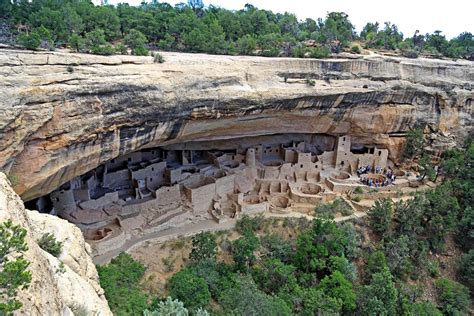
[343, 152]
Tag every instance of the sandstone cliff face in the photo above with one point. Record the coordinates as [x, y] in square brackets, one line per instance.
[54, 290]
[63, 114]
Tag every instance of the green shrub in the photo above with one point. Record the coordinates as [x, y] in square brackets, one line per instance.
[341, 264]
[424, 309]
[325, 211]
[453, 297]
[410, 53]
[319, 52]
[158, 58]
[249, 224]
[414, 143]
[355, 49]
[356, 198]
[375, 263]
[272, 52]
[433, 268]
[358, 190]
[168, 263]
[14, 275]
[272, 275]
[48, 243]
[190, 289]
[337, 286]
[140, 51]
[136, 40]
[76, 42]
[273, 246]
[121, 49]
[95, 38]
[204, 247]
[329, 210]
[168, 307]
[246, 299]
[120, 281]
[315, 246]
[466, 269]
[299, 52]
[106, 50]
[243, 251]
[31, 41]
[380, 216]
[310, 82]
[380, 296]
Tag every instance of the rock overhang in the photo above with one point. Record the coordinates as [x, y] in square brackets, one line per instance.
[59, 123]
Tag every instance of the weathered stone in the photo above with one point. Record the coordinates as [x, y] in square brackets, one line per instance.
[64, 114]
[55, 289]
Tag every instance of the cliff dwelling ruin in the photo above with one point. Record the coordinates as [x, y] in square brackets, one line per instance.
[223, 179]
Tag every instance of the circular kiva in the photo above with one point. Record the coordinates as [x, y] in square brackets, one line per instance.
[310, 188]
[280, 201]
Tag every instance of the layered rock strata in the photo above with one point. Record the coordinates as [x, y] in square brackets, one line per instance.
[59, 286]
[64, 114]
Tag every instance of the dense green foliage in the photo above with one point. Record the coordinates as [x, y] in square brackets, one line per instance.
[380, 217]
[466, 269]
[330, 210]
[168, 307]
[204, 247]
[457, 166]
[189, 288]
[48, 243]
[14, 275]
[120, 281]
[454, 297]
[414, 143]
[192, 27]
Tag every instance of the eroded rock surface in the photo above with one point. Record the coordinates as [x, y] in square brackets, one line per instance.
[55, 289]
[62, 114]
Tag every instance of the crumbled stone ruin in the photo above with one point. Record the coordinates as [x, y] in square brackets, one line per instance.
[222, 179]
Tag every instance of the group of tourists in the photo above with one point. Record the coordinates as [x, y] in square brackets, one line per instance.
[374, 181]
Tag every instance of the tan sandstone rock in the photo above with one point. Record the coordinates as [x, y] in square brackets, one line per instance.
[54, 290]
[64, 114]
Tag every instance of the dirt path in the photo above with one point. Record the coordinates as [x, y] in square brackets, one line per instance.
[195, 228]
[164, 235]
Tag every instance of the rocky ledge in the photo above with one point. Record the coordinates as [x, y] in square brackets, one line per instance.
[62, 285]
[63, 114]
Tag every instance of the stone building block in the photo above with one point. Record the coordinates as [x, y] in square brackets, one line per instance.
[108, 198]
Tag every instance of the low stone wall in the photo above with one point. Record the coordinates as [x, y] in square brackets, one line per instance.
[253, 209]
[201, 197]
[168, 196]
[99, 203]
[298, 196]
[340, 186]
[225, 185]
[109, 243]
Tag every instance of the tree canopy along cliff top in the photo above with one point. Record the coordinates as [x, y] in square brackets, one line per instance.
[196, 27]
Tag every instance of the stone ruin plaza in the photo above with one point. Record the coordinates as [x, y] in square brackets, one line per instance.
[157, 188]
